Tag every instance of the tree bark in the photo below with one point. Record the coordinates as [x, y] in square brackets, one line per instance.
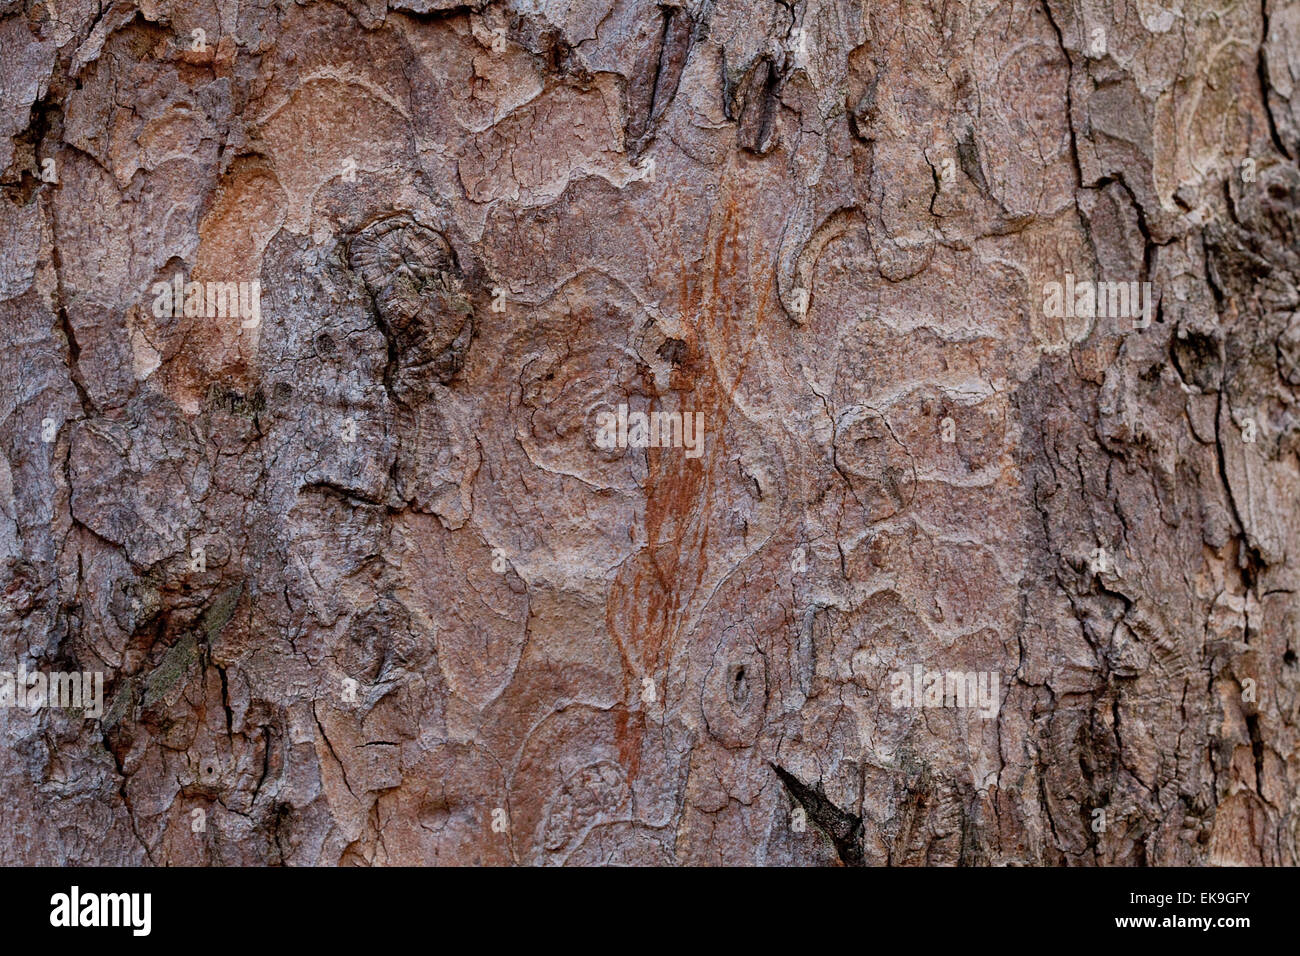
[374, 558]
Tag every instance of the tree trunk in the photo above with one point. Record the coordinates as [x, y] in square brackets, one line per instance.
[966, 530]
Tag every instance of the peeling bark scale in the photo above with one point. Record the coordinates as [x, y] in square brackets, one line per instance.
[695, 432]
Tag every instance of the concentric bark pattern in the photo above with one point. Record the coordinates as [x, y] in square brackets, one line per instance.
[372, 578]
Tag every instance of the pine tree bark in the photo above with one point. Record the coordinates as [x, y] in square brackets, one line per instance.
[367, 587]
